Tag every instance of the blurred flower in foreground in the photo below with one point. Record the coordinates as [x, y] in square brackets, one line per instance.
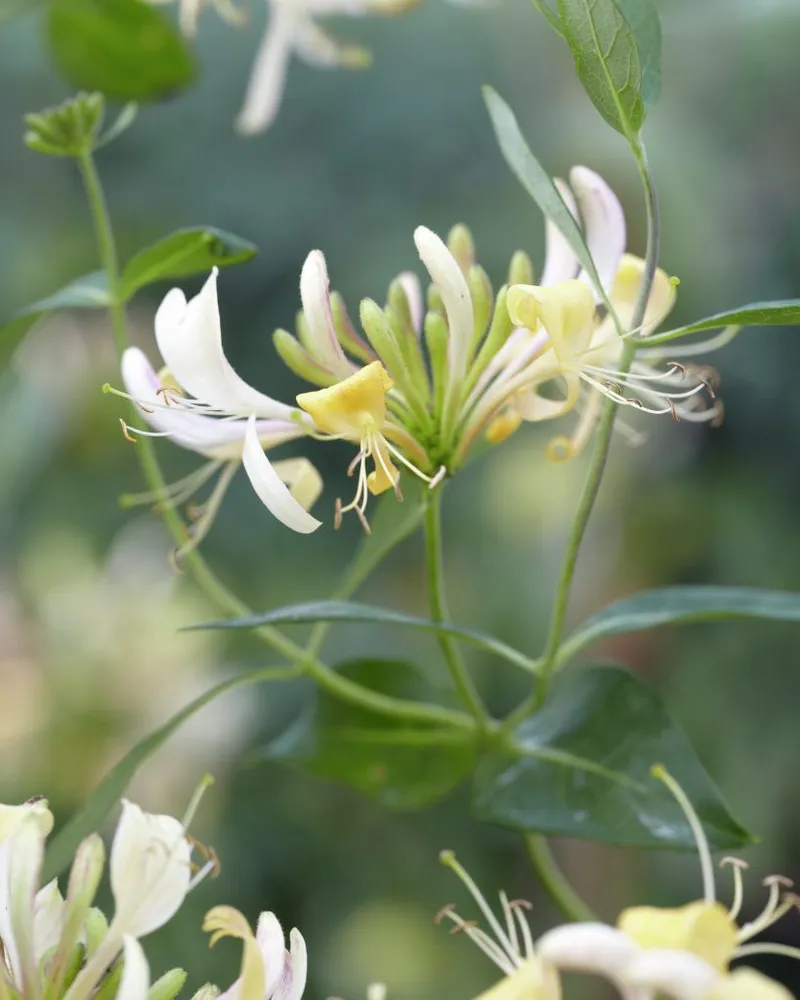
[292, 29]
[680, 954]
[419, 390]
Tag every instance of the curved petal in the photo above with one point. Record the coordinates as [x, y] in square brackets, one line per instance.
[747, 984]
[208, 436]
[625, 294]
[302, 478]
[268, 486]
[12, 816]
[589, 947]
[603, 225]
[48, 919]
[533, 980]
[268, 76]
[135, 980]
[315, 296]
[189, 336]
[560, 261]
[295, 973]
[565, 310]
[411, 286]
[272, 942]
[150, 870]
[452, 285]
[317, 48]
[21, 860]
[678, 975]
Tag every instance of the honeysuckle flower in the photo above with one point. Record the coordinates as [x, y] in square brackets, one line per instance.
[680, 954]
[268, 971]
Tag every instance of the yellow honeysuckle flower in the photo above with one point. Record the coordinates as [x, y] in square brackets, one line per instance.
[533, 980]
[747, 984]
[705, 929]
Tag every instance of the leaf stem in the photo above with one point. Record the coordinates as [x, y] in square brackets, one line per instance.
[465, 686]
[555, 882]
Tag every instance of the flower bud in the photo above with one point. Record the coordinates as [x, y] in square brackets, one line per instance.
[346, 333]
[462, 246]
[480, 288]
[520, 270]
[71, 129]
[95, 927]
[298, 360]
[436, 336]
[168, 986]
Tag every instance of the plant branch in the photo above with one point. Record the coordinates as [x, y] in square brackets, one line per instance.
[555, 882]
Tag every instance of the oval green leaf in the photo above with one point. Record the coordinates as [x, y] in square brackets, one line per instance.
[400, 765]
[581, 768]
[88, 292]
[124, 48]
[680, 605]
[350, 611]
[783, 313]
[607, 61]
[182, 253]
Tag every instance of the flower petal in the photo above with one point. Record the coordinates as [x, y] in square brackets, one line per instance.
[48, 919]
[317, 48]
[315, 296]
[21, 860]
[268, 76]
[560, 260]
[189, 336]
[677, 974]
[209, 436]
[150, 870]
[302, 478]
[747, 984]
[625, 294]
[589, 947]
[533, 980]
[135, 980]
[411, 287]
[272, 942]
[603, 225]
[12, 816]
[268, 486]
[452, 286]
[704, 929]
[565, 310]
[295, 971]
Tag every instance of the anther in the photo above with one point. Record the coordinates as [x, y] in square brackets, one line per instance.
[445, 911]
[520, 904]
[363, 519]
[125, 432]
[194, 512]
[734, 863]
[337, 514]
[673, 411]
[465, 925]
[787, 883]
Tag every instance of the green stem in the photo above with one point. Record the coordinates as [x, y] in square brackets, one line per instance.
[554, 881]
[203, 576]
[591, 488]
[465, 686]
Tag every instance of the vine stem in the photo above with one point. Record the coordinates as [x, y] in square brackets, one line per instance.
[465, 686]
[304, 657]
[554, 881]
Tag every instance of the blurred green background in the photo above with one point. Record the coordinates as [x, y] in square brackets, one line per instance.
[90, 656]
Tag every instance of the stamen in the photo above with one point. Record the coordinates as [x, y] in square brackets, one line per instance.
[125, 432]
[445, 911]
[198, 531]
[510, 922]
[174, 493]
[767, 949]
[774, 909]
[479, 937]
[449, 859]
[738, 867]
[440, 475]
[526, 932]
[706, 864]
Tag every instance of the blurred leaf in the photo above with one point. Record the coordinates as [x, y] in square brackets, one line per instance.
[678, 605]
[581, 768]
[187, 251]
[391, 524]
[535, 179]
[13, 8]
[124, 48]
[123, 122]
[88, 292]
[544, 7]
[400, 765]
[783, 313]
[349, 611]
[644, 22]
[94, 812]
[607, 61]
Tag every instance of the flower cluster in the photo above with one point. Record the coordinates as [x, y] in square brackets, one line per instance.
[418, 388]
[292, 29]
[57, 947]
[679, 954]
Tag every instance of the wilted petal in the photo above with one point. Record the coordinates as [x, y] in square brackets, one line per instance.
[625, 294]
[678, 975]
[603, 225]
[560, 261]
[315, 296]
[270, 489]
[268, 76]
[150, 870]
[589, 947]
[189, 336]
[135, 980]
[209, 436]
[452, 286]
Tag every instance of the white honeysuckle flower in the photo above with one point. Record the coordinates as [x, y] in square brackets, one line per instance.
[12, 816]
[678, 954]
[269, 971]
[135, 981]
[150, 868]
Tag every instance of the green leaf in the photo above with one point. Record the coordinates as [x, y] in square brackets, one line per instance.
[544, 7]
[783, 313]
[399, 764]
[349, 611]
[535, 179]
[94, 812]
[581, 768]
[88, 292]
[124, 48]
[643, 20]
[679, 605]
[607, 61]
[185, 252]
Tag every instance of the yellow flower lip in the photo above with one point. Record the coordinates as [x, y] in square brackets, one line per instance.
[353, 407]
[704, 929]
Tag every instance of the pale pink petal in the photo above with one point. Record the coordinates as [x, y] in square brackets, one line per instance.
[268, 76]
[679, 975]
[315, 296]
[588, 947]
[295, 972]
[560, 261]
[603, 225]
